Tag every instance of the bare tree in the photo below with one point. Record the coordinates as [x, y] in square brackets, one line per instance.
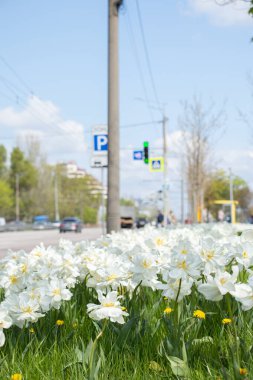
[31, 145]
[226, 2]
[199, 126]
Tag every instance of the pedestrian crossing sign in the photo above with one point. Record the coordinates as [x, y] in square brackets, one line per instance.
[156, 164]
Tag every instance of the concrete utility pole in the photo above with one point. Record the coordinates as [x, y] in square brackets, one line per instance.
[165, 173]
[113, 207]
[17, 198]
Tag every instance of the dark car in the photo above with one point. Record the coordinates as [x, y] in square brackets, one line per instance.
[141, 222]
[71, 224]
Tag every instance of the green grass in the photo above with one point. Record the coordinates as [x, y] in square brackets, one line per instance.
[141, 349]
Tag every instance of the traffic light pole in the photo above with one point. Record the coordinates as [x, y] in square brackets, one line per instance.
[165, 173]
[113, 208]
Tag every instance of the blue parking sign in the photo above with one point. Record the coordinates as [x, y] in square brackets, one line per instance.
[101, 143]
[138, 155]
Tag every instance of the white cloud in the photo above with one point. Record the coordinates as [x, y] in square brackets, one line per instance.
[232, 13]
[43, 119]
[137, 180]
[240, 161]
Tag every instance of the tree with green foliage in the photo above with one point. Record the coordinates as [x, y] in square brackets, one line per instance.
[23, 171]
[251, 9]
[77, 197]
[6, 199]
[3, 159]
[218, 188]
[126, 202]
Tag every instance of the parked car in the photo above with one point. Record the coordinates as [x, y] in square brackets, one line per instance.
[141, 222]
[42, 225]
[56, 223]
[71, 224]
[16, 225]
[2, 224]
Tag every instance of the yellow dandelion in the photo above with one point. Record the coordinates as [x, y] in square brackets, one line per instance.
[168, 310]
[243, 371]
[199, 314]
[16, 376]
[226, 321]
[59, 322]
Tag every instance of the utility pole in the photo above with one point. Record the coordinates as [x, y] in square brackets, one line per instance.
[165, 173]
[113, 207]
[56, 197]
[17, 198]
[102, 202]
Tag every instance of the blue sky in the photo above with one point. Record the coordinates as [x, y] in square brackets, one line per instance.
[59, 51]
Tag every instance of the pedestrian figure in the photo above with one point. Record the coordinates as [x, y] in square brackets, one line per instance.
[159, 219]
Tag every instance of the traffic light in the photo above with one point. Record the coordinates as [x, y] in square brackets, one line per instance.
[145, 151]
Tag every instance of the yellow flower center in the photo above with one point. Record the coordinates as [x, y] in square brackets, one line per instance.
[184, 251]
[159, 241]
[146, 264]
[245, 255]
[182, 265]
[56, 292]
[27, 309]
[210, 255]
[112, 277]
[223, 281]
[13, 279]
[108, 304]
[23, 268]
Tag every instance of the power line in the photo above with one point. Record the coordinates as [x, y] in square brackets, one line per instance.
[13, 88]
[137, 60]
[16, 74]
[146, 52]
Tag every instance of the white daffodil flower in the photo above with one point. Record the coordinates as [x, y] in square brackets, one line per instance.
[58, 292]
[5, 323]
[109, 308]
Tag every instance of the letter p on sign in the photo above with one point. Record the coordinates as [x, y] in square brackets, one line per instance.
[100, 143]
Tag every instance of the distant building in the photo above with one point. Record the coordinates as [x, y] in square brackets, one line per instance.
[73, 171]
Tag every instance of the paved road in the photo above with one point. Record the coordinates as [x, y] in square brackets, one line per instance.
[29, 239]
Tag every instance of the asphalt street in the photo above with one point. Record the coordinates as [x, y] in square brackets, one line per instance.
[27, 240]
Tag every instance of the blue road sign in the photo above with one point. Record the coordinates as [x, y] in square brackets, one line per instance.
[100, 143]
[137, 154]
[156, 164]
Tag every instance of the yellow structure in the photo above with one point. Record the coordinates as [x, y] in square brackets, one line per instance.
[199, 214]
[233, 208]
